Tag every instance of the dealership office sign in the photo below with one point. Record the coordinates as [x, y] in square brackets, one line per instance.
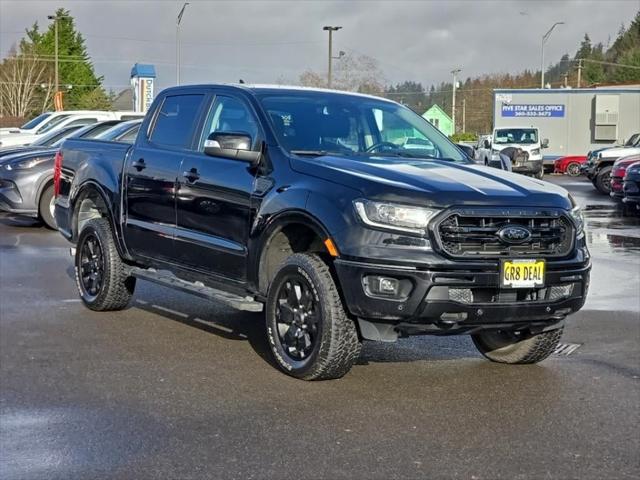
[532, 110]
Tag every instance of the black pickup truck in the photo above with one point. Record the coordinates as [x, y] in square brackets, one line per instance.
[312, 205]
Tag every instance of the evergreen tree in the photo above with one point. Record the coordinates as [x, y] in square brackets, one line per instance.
[75, 68]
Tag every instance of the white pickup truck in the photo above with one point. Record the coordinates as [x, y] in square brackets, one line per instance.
[523, 138]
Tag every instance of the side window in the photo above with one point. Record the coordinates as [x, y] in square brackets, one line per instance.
[230, 115]
[176, 119]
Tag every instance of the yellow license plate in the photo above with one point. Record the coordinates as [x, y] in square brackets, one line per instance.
[522, 273]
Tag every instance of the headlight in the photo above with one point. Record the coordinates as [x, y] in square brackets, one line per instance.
[577, 216]
[26, 164]
[404, 218]
[535, 151]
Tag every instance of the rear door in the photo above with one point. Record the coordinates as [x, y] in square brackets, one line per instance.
[214, 193]
[151, 175]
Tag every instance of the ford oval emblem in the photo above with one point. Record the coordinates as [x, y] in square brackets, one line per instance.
[514, 234]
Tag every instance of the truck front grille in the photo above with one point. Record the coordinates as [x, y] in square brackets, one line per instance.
[474, 234]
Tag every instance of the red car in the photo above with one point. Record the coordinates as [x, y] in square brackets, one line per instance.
[569, 165]
[617, 174]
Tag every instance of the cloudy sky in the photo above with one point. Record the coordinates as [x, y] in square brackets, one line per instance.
[264, 41]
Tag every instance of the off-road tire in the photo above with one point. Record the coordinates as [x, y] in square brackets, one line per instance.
[337, 345]
[502, 347]
[602, 181]
[539, 174]
[44, 208]
[117, 286]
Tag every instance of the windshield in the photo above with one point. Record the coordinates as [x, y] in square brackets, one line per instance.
[52, 138]
[633, 140]
[332, 123]
[35, 122]
[49, 124]
[516, 135]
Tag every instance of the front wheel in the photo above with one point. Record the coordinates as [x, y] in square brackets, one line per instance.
[310, 335]
[516, 347]
[101, 276]
[602, 181]
[46, 207]
[539, 174]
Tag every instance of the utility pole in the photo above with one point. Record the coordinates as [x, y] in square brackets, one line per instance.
[464, 115]
[331, 57]
[579, 71]
[178, 20]
[455, 73]
[566, 80]
[545, 37]
[57, 96]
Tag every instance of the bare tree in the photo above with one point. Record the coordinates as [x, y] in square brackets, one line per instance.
[354, 73]
[26, 84]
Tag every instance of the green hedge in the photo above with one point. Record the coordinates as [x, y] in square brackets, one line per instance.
[463, 137]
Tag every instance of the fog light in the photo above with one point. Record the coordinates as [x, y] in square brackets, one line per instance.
[557, 292]
[384, 286]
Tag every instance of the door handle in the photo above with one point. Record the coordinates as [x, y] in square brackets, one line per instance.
[191, 175]
[139, 165]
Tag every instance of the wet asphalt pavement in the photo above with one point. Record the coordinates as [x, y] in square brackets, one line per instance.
[177, 388]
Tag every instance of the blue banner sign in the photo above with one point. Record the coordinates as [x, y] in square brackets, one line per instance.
[532, 110]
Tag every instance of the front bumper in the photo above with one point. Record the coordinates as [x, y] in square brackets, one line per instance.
[530, 167]
[12, 201]
[467, 297]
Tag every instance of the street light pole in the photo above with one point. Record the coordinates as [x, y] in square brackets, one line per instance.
[55, 19]
[330, 30]
[455, 73]
[545, 37]
[178, 20]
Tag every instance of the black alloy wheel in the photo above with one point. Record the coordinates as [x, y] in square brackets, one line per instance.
[297, 318]
[91, 266]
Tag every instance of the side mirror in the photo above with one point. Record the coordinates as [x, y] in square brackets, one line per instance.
[486, 144]
[236, 146]
[545, 143]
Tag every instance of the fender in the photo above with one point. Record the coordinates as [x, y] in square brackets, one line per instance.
[94, 187]
[258, 244]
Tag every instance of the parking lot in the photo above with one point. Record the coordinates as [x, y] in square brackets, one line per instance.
[177, 387]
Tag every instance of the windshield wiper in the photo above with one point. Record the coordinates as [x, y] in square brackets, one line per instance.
[310, 153]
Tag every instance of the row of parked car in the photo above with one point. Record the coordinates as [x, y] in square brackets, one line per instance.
[28, 153]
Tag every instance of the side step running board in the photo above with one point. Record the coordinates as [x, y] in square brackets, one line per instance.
[247, 304]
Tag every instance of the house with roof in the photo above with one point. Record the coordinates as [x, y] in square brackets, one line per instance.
[439, 119]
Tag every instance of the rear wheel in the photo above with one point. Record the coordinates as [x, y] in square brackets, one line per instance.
[46, 207]
[101, 276]
[603, 180]
[310, 335]
[573, 169]
[516, 347]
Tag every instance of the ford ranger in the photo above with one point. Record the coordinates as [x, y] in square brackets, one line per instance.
[304, 203]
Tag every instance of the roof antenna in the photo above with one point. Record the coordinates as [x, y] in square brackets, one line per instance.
[241, 81]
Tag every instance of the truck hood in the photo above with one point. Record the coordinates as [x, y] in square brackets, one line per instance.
[526, 147]
[619, 152]
[433, 182]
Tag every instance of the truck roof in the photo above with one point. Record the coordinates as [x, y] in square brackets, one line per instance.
[268, 88]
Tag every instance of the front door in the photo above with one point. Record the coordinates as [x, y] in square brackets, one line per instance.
[151, 176]
[213, 197]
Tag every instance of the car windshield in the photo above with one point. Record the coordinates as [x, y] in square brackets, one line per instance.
[49, 124]
[36, 121]
[54, 137]
[318, 123]
[516, 135]
[633, 141]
